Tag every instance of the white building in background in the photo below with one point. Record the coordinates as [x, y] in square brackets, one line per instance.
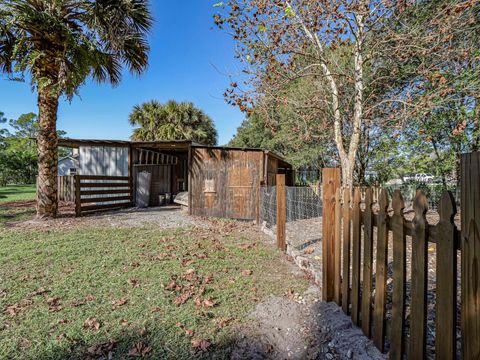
[69, 165]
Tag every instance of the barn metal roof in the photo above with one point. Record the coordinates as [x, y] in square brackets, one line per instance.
[164, 144]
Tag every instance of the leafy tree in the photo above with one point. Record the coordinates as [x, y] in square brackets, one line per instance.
[172, 121]
[18, 151]
[431, 64]
[323, 41]
[60, 44]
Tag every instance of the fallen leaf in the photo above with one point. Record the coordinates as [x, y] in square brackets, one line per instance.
[39, 291]
[63, 321]
[103, 349]
[188, 332]
[182, 299]
[208, 279]
[247, 246]
[119, 302]
[140, 349]
[209, 303]
[53, 301]
[161, 256]
[13, 309]
[3, 292]
[133, 282]
[247, 272]
[92, 324]
[55, 308]
[171, 285]
[201, 344]
[90, 297]
[309, 250]
[77, 303]
[224, 321]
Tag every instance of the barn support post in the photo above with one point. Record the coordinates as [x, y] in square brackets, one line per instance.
[470, 247]
[281, 212]
[330, 183]
[78, 204]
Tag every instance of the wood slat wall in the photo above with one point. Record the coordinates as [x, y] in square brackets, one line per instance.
[66, 188]
[364, 297]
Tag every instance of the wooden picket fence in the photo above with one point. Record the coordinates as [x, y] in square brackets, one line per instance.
[355, 229]
[356, 297]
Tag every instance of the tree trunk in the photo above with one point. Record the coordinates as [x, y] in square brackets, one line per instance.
[47, 144]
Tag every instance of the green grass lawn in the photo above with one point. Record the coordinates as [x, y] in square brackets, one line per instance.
[17, 193]
[82, 293]
[16, 203]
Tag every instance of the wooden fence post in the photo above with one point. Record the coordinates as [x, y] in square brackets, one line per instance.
[281, 212]
[331, 182]
[78, 204]
[470, 245]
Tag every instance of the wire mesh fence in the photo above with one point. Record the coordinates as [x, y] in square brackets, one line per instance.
[303, 214]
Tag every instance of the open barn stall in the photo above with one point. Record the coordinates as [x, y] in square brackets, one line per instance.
[220, 181]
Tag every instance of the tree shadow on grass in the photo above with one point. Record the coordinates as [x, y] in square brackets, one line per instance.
[152, 345]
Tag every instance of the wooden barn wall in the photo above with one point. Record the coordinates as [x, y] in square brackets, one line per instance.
[103, 160]
[161, 180]
[225, 182]
[272, 167]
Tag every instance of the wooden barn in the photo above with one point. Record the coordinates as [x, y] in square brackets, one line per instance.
[220, 181]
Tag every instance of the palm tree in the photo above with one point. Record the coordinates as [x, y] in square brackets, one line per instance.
[172, 121]
[61, 43]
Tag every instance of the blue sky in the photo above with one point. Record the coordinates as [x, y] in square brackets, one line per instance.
[190, 60]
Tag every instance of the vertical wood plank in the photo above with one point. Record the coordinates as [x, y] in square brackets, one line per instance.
[281, 212]
[367, 264]
[399, 278]
[418, 308]
[78, 203]
[331, 182]
[356, 251]
[346, 251]
[381, 272]
[338, 247]
[470, 245]
[446, 301]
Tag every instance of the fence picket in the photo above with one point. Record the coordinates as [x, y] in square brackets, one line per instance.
[338, 247]
[418, 311]
[381, 272]
[367, 264]
[356, 248]
[446, 280]
[399, 278]
[346, 251]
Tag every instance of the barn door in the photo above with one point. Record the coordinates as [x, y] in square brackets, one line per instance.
[242, 187]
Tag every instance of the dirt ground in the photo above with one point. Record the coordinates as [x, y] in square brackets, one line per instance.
[296, 326]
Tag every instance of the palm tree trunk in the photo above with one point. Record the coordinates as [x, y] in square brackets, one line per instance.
[47, 143]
